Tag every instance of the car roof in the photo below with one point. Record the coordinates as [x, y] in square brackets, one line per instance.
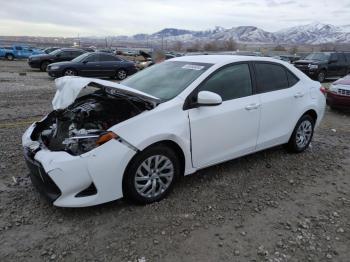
[222, 59]
[71, 49]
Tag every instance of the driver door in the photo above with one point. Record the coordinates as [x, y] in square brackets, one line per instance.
[229, 130]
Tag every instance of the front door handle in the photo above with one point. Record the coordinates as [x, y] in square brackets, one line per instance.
[299, 94]
[252, 106]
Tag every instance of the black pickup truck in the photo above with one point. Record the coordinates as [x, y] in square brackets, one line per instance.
[322, 65]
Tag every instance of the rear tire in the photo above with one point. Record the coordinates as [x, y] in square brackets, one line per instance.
[151, 175]
[121, 74]
[44, 65]
[10, 57]
[302, 134]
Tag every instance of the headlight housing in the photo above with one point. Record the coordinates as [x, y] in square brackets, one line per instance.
[54, 67]
[78, 145]
[333, 88]
[313, 66]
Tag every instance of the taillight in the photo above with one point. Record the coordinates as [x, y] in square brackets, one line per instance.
[323, 90]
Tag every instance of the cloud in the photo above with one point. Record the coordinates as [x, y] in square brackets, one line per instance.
[116, 17]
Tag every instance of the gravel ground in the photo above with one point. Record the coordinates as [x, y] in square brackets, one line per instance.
[269, 206]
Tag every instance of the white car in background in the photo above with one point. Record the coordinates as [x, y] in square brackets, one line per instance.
[136, 138]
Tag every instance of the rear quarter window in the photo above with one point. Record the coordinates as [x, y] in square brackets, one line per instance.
[292, 79]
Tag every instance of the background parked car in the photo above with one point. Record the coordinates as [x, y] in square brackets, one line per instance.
[43, 60]
[338, 94]
[97, 64]
[18, 51]
[50, 49]
[88, 49]
[322, 65]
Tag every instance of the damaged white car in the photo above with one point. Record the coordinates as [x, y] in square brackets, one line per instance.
[136, 138]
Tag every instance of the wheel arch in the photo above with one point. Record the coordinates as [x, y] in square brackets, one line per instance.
[312, 113]
[168, 143]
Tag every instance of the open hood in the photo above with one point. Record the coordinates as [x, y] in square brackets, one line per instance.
[69, 87]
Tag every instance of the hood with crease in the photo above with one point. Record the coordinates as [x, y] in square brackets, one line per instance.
[69, 87]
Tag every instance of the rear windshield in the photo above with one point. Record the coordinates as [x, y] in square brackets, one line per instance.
[166, 80]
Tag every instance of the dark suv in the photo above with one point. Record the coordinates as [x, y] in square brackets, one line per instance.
[322, 65]
[59, 55]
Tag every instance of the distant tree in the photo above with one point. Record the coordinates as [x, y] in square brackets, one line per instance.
[230, 45]
[279, 48]
[211, 46]
[294, 50]
[195, 47]
[178, 46]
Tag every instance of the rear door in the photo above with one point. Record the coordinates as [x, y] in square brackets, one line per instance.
[280, 96]
[333, 65]
[229, 130]
[109, 64]
[342, 65]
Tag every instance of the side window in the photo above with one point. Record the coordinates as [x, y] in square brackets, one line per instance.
[92, 58]
[347, 55]
[19, 48]
[74, 54]
[107, 58]
[270, 77]
[292, 79]
[334, 57]
[230, 83]
[64, 54]
[341, 58]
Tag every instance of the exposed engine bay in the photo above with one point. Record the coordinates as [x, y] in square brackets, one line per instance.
[78, 128]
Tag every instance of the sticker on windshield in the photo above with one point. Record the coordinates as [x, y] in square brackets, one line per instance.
[193, 67]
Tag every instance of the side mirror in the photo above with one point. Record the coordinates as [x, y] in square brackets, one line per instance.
[207, 98]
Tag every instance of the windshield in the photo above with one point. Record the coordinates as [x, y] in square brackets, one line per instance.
[318, 56]
[55, 52]
[81, 57]
[168, 79]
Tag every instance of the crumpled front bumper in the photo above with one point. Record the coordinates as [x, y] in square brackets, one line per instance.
[62, 177]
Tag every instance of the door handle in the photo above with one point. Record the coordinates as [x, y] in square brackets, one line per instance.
[252, 106]
[299, 94]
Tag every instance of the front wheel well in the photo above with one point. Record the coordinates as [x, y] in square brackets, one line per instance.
[170, 144]
[176, 148]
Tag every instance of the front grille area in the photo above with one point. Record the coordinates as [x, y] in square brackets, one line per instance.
[343, 92]
[40, 179]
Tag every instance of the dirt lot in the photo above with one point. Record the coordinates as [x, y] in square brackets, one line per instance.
[269, 206]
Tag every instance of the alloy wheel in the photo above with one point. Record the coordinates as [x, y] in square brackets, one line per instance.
[121, 74]
[69, 72]
[304, 133]
[154, 176]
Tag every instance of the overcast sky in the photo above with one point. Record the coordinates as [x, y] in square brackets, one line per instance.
[128, 17]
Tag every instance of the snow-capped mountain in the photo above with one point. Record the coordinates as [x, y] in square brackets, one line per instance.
[314, 33]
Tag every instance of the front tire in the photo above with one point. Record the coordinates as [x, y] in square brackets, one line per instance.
[151, 175]
[321, 76]
[70, 72]
[10, 57]
[302, 134]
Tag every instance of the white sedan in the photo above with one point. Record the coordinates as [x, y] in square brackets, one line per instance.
[136, 138]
